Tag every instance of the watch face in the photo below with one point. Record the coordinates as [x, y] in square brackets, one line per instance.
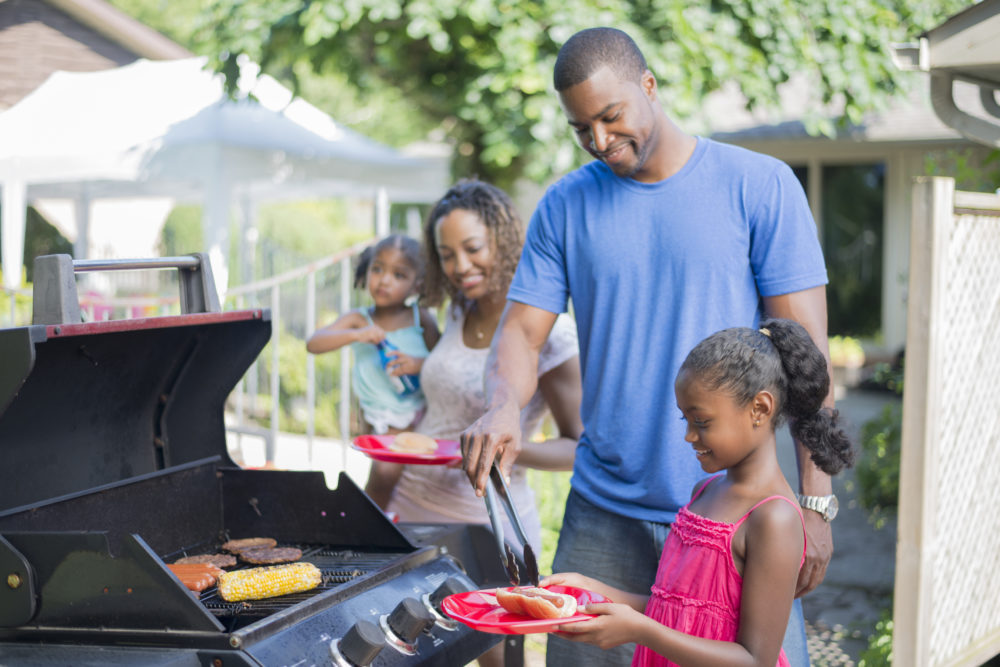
[832, 508]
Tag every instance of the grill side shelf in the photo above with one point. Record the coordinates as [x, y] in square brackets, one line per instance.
[82, 585]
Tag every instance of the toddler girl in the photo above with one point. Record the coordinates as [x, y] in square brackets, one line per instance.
[727, 575]
[392, 270]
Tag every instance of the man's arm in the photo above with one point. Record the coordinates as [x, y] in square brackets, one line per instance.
[808, 308]
[510, 382]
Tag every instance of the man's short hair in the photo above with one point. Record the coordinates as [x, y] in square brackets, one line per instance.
[589, 50]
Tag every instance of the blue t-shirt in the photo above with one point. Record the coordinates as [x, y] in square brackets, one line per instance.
[652, 269]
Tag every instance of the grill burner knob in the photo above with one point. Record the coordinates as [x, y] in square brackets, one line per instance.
[361, 643]
[409, 619]
[451, 586]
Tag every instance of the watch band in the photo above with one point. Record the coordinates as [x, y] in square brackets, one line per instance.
[825, 506]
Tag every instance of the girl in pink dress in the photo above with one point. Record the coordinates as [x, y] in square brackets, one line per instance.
[727, 575]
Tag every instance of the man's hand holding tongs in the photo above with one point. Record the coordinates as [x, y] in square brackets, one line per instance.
[496, 436]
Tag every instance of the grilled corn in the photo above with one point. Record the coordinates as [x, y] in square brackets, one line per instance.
[258, 583]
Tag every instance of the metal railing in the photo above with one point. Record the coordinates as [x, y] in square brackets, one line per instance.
[272, 292]
[292, 297]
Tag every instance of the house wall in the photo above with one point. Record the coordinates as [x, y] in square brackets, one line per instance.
[37, 39]
[904, 162]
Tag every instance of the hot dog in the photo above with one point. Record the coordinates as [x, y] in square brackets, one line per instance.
[536, 602]
[196, 577]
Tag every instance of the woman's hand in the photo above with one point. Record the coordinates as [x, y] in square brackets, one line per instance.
[615, 624]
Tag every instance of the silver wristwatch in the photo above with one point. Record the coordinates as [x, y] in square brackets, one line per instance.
[826, 506]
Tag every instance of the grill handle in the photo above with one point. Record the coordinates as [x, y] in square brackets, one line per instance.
[56, 300]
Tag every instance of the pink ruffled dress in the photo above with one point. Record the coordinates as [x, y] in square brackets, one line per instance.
[697, 589]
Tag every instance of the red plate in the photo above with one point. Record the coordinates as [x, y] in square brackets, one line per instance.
[377, 447]
[480, 611]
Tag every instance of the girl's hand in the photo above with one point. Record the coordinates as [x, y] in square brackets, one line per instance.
[371, 334]
[403, 364]
[615, 624]
[573, 579]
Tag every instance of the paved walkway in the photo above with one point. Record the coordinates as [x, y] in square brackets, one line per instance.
[840, 614]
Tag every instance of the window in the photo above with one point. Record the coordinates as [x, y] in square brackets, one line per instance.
[851, 224]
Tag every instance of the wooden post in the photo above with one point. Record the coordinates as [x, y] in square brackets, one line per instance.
[932, 218]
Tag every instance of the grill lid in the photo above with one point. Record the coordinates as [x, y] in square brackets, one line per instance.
[85, 405]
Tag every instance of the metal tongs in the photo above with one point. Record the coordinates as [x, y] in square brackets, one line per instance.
[506, 554]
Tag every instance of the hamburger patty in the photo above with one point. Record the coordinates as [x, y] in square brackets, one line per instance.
[237, 546]
[270, 556]
[218, 560]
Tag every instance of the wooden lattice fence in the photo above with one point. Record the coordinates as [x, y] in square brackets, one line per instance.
[947, 589]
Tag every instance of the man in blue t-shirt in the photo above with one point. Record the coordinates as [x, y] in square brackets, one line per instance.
[661, 241]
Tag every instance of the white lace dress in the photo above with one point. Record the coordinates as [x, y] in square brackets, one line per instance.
[452, 380]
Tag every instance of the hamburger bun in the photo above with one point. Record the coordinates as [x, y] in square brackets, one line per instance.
[413, 443]
[536, 602]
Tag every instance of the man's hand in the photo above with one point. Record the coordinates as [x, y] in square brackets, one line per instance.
[494, 436]
[819, 550]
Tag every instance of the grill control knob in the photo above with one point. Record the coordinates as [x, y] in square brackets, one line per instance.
[409, 619]
[361, 644]
[451, 586]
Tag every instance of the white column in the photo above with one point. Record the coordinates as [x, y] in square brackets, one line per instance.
[215, 230]
[414, 223]
[81, 211]
[381, 213]
[12, 230]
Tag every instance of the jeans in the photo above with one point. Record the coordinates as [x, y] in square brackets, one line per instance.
[624, 553]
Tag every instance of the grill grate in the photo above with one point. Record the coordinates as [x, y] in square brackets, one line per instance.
[338, 567]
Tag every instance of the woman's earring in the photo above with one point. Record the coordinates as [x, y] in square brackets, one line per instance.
[756, 423]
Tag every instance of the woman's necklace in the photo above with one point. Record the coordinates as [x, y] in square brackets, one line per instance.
[476, 318]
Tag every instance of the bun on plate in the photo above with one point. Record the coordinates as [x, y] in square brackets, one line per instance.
[536, 602]
[413, 443]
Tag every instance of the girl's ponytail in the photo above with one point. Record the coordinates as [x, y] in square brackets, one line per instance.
[361, 269]
[807, 383]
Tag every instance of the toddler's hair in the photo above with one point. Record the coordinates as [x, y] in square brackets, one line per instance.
[409, 247]
[780, 357]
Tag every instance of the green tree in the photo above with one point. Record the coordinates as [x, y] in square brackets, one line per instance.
[483, 68]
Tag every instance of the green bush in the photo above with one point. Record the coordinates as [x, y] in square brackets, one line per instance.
[846, 351]
[551, 489]
[877, 468]
[879, 651]
[292, 371]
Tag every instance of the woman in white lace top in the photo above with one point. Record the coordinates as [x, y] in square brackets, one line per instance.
[473, 239]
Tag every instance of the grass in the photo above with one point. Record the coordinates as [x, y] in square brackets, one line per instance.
[551, 489]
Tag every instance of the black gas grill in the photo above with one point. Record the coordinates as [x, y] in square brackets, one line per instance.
[114, 463]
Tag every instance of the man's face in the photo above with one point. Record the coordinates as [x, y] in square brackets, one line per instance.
[615, 120]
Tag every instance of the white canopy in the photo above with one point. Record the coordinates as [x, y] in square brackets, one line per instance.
[166, 128]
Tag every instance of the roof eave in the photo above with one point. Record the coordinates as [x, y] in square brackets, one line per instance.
[122, 29]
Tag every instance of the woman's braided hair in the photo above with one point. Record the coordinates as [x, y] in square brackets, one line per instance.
[506, 230]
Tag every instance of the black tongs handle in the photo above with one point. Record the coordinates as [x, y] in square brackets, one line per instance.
[531, 565]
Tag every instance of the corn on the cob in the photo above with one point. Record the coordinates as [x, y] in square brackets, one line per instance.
[258, 583]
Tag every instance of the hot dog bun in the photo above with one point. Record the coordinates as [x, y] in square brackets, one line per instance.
[536, 602]
[413, 443]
